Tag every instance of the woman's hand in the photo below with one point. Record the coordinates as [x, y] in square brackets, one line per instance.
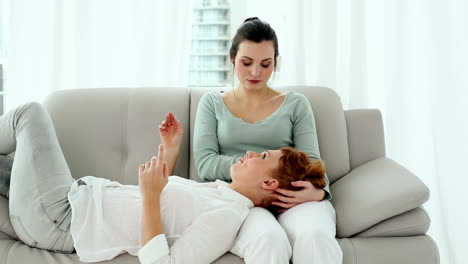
[171, 132]
[153, 176]
[287, 198]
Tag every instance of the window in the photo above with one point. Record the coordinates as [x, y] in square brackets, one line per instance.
[4, 7]
[209, 60]
[1, 90]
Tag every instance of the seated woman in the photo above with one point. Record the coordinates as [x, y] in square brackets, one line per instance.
[163, 220]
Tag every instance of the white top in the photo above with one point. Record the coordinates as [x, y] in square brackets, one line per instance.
[200, 221]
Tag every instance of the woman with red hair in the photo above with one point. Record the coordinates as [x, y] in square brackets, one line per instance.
[163, 220]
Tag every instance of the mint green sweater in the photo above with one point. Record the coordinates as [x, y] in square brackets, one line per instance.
[220, 138]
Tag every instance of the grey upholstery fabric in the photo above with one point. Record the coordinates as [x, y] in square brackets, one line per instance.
[415, 222]
[331, 128]
[195, 95]
[108, 132]
[389, 250]
[378, 190]
[365, 136]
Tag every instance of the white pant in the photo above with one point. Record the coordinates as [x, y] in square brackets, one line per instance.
[308, 228]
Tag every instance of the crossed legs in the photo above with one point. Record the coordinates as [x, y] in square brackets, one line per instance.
[40, 179]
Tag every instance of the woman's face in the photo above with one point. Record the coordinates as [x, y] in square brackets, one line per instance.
[255, 167]
[254, 63]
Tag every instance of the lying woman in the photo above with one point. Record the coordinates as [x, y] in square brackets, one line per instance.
[163, 220]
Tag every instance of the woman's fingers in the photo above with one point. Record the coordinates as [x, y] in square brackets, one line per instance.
[285, 199]
[170, 122]
[171, 119]
[161, 157]
[165, 170]
[305, 184]
[174, 121]
[168, 117]
[285, 192]
[153, 162]
[163, 126]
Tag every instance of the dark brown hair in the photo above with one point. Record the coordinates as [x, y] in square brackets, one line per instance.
[256, 30]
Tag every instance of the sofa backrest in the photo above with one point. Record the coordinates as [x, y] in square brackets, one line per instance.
[330, 122]
[107, 132]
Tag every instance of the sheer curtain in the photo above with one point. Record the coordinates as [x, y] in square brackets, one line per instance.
[57, 45]
[408, 58]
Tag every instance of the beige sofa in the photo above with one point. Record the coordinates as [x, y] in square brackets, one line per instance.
[108, 132]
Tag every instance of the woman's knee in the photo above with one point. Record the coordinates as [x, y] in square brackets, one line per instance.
[309, 221]
[32, 108]
[262, 225]
[34, 114]
[275, 236]
[262, 234]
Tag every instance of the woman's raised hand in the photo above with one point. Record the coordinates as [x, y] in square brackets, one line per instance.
[153, 176]
[171, 132]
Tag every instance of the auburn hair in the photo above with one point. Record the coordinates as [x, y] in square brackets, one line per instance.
[295, 165]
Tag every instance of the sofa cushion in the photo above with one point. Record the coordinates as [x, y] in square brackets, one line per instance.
[331, 128]
[108, 132]
[389, 250]
[402, 250]
[365, 136]
[195, 94]
[412, 223]
[374, 192]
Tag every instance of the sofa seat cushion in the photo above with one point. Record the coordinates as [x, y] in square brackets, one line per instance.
[412, 223]
[374, 192]
[389, 250]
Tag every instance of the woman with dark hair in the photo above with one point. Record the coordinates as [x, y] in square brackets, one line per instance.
[163, 220]
[253, 116]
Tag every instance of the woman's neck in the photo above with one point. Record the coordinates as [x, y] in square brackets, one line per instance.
[245, 192]
[251, 96]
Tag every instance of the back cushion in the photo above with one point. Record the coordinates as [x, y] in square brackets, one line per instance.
[331, 128]
[195, 94]
[330, 122]
[108, 132]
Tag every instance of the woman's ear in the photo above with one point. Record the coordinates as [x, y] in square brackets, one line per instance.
[269, 184]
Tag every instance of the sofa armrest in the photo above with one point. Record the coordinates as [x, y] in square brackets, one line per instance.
[373, 192]
[366, 139]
